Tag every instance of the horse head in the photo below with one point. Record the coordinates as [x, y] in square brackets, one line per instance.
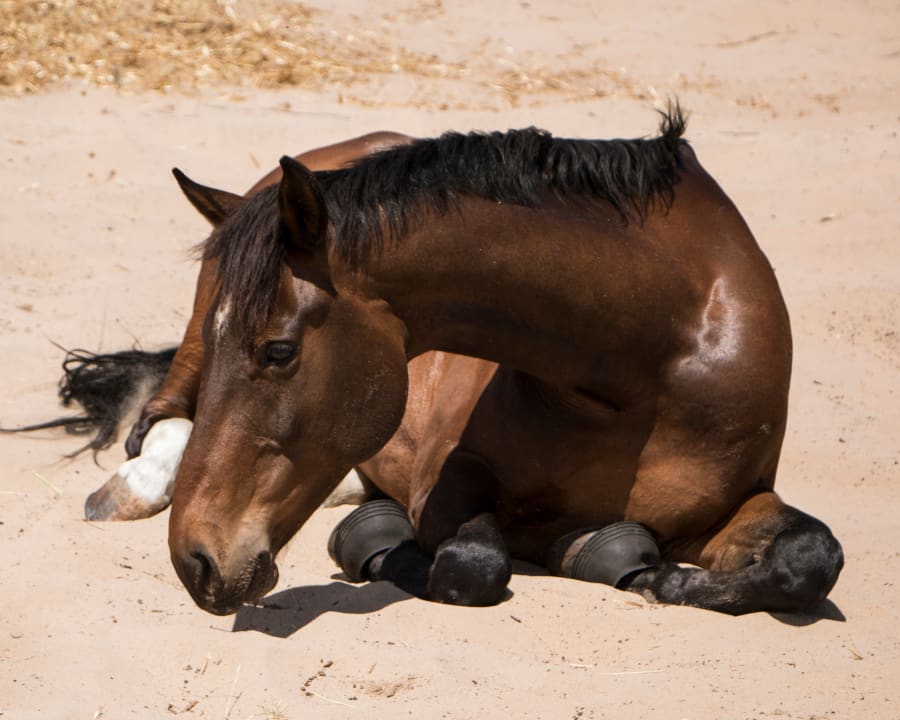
[304, 376]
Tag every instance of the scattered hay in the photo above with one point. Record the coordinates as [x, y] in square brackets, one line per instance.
[171, 44]
[187, 45]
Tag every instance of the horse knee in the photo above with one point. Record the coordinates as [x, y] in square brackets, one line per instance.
[803, 564]
[471, 568]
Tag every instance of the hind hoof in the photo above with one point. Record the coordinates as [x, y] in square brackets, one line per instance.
[143, 485]
[608, 555]
[372, 528]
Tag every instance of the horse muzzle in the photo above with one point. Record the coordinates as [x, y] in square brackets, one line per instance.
[218, 593]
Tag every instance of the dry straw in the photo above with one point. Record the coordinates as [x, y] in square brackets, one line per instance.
[186, 45]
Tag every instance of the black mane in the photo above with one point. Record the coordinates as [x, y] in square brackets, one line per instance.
[514, 167]
[382, 195]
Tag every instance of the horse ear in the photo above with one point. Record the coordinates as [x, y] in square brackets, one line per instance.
[214, 205]
[304, 215]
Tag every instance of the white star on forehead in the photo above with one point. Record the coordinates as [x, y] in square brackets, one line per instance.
[223, 313]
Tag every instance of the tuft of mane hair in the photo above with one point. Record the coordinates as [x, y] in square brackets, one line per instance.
[383, 195]
[392, 188]
[108, 387]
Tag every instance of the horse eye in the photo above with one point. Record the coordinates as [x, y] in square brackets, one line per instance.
[280, 353]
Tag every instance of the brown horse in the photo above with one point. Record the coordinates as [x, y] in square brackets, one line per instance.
[644, 354]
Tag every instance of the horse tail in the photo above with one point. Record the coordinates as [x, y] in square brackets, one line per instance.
[109, 388]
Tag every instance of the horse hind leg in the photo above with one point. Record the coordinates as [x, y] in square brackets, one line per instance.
[767, 557]
[142, 486]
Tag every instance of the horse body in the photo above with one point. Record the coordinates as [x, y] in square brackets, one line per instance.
[644, 365]
[645, 384]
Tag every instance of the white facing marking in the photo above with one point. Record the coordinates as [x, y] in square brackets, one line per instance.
[151, 475]
[223, 313]
[306, 294]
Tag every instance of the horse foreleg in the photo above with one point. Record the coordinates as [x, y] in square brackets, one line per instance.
[767, 556]
[377, 542]
[472, 567]
[455, 521]
[456, 554]
[177, 396]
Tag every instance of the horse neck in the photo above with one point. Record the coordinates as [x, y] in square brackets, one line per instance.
[533, 289]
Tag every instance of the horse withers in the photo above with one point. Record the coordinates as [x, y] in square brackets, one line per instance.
[644, 359]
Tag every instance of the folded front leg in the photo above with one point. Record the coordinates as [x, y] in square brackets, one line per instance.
[375, 542]
[456, 553]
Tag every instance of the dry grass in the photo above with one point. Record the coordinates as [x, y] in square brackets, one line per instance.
[186, 45]
[171, 44]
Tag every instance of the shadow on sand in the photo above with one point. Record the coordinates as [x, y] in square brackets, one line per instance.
[827, 610]
[286, 612]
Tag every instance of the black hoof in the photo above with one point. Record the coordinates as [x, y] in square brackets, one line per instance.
[468, 574]
[372, 528]
[608, 555]
[473, 567]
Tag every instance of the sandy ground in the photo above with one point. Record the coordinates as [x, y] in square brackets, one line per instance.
[794, 108]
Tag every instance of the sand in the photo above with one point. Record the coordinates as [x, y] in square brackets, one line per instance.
[794, 109]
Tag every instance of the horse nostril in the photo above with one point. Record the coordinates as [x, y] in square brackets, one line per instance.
[203, 571]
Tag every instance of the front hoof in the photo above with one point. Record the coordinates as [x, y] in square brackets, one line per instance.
[115, 501]
[371, 529]
[469, 573]
[608, 555]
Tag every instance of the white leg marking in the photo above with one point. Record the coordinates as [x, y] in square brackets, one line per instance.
[151, 475]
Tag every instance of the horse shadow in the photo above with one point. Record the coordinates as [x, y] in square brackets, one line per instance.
[286, 612]
[826, 610]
